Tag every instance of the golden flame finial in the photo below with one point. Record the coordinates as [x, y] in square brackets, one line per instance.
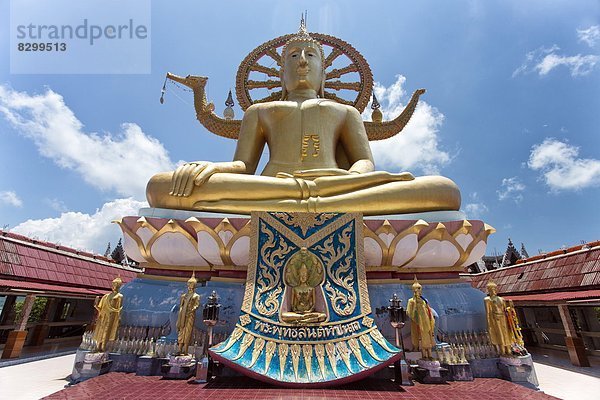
[193, 278]
[416, 283]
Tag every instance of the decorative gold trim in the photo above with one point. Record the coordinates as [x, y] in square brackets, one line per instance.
[342, 350]
[200, 226]
[295, 351]
[259, 343]
[172, 226]
[307, 353]
[270, 352]
[245, 231]
[414, 229]
[244, 319]
[355, 347]
[375, 334]
[410, 281]
[162, 278]
[365, 340]
[282, 351]
[330, 350]
[247, 331]
[155, 265]
[246, 342]
[320, 353]
[234, 337]
[228, 280]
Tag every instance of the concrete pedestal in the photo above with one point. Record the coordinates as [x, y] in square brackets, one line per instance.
[518, 370]
[123, 362]
[185, 371]
[459, 372]
[90, 366]
[427, 376]
[485, 368]
[14, 344]
[148, 366]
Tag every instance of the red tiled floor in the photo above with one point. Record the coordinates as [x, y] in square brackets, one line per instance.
[119, 385]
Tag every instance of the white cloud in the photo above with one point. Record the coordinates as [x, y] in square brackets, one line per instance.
[544, 60]
[10, 197]
[123, 162]
[89, 232]
[591, 35]
[56, 205]
[417, 146]
[475, 208]
[561, 168]
[579, 65]
[511, 189]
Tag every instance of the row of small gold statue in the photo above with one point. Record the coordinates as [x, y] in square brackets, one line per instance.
[142, 332]
[148, 346]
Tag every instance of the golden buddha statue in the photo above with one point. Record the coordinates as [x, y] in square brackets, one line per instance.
[303, 274]
[320, 159]
[109, 313]
[513, 324]
[186, 317]
[422, 321]
[497, 323]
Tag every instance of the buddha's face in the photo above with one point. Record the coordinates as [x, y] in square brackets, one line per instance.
[492, 290]
[303, 274]
[417, 291]
[116, 286]
[191, 286]
[302, 66]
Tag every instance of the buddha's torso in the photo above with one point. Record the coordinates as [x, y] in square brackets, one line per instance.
[497, 307]
[303, 301]
[301, 135]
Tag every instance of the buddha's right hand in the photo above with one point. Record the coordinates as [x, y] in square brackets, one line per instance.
[185, 177]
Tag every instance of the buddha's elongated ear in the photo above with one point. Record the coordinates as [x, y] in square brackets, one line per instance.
[322, 89]
[283, 90]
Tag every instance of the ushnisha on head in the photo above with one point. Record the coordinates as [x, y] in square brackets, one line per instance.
[191, 283]
[117, 283]
[302, 67]
[492, 288]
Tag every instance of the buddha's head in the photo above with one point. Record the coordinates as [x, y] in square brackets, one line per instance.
[116, 284]
[191, 283]
[492, 288]
[417, 288]
[302, 64]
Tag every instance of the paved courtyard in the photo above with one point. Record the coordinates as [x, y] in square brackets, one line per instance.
[37, 379]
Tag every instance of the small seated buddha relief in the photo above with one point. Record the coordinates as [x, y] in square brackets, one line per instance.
[303, 277]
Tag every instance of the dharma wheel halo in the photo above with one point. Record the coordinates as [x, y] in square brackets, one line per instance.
[266, 59]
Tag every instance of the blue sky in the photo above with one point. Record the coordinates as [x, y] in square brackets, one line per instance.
[511, 112]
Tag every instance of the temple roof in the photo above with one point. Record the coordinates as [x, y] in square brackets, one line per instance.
[575, 268]
[32, 265]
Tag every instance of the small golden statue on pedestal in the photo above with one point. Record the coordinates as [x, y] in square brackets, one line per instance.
[497, 322]
[303, 274]
[109, 313]
[422, 325]
[513, 324]
[186, 318]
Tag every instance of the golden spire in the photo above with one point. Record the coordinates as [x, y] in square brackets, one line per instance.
[193, 278]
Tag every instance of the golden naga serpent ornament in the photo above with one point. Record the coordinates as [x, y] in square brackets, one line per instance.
[348, 80]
